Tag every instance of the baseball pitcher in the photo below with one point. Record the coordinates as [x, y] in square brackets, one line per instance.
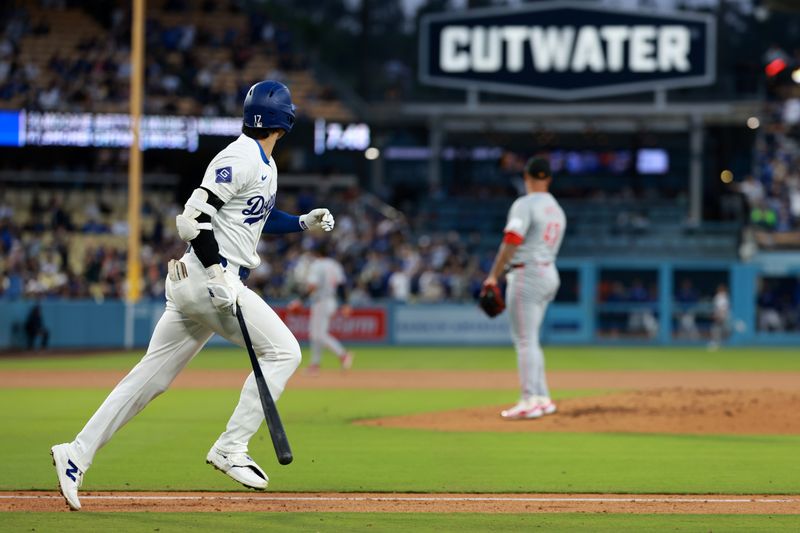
[222, 221]
[532, 238]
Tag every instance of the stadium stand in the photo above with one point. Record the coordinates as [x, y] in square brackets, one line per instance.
[71, 244]
[65, 236]
[201, 60]
[773, 196]
[618, 228]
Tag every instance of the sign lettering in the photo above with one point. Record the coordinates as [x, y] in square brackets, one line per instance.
[566, 50]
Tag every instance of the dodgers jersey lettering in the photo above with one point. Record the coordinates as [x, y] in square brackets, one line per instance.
[540, 221]
[325, 274]
[247, 181]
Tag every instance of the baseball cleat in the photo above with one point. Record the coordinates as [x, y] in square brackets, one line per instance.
[547, 406]
[312, 369]
[524, 410]
[240, 467]
[69, 476]
[347, 360]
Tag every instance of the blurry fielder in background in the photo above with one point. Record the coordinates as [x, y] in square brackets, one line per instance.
[720, 318]
[532, 238]
[222, 222]
[723, 323]
[325, 284]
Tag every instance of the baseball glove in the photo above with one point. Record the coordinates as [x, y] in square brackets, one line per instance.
[491, 301]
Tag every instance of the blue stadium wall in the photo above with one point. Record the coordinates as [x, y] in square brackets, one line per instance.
[87, 324]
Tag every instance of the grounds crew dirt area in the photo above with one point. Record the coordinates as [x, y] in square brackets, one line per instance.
[697, 402]
[403, 503]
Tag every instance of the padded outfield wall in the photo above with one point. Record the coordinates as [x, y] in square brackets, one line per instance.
[582, 313]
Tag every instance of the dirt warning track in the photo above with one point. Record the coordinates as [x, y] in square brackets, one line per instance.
[403, 503]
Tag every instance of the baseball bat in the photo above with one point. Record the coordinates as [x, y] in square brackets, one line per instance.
[276, 431]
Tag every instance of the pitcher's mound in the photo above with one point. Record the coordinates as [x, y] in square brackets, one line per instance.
[675, 410]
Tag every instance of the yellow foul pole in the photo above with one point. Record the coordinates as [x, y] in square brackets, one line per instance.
[135, 162]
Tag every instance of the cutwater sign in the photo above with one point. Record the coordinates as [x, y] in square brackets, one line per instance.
[567, 50]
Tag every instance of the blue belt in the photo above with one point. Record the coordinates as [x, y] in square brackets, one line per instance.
[243, 272]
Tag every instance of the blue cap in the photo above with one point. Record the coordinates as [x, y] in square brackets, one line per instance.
[269, 105]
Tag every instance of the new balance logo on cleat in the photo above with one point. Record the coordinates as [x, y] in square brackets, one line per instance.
[72, 470]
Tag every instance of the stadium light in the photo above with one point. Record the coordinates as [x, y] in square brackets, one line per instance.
[753, 123]
[796, 75]
[372, 153]
[726, 176]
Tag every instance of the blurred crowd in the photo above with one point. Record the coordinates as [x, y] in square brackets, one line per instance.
[53, 257]
[637, 319]
[194, 67]
[779, 304]
[379, 41]
[773, 198]
[63, 252]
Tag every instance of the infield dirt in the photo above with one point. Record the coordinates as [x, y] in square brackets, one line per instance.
[403, 503]
[678, 411]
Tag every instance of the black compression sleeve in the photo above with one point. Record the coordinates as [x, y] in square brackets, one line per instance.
[342, 292]
[205, 245]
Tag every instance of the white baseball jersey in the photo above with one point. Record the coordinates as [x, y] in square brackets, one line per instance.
[536, 223]
[539, 223]
[325, 274]
[722, 305]
[245, 179]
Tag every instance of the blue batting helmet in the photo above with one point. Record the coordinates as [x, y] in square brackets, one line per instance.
[269, 105]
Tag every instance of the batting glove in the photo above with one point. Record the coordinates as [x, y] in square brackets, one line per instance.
[223, 296]
[317, 218]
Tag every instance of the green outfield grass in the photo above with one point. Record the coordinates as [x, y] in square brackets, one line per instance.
[164, 448]
[470, 358]
[386, 522]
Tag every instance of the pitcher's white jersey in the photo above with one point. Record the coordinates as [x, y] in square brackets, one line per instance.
[536, 223]
[245, 179]
[325, 274]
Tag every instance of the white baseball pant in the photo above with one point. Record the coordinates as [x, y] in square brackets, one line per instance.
[318, 330]
[189, 321]
[529, 290]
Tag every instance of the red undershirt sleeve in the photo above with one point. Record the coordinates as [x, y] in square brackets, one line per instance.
[509, 237]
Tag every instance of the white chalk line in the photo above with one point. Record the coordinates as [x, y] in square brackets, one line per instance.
[486, 499]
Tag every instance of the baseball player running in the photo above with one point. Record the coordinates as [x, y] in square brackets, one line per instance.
[532, 238]
[222, 222]
[325, 282]
[721, 318]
